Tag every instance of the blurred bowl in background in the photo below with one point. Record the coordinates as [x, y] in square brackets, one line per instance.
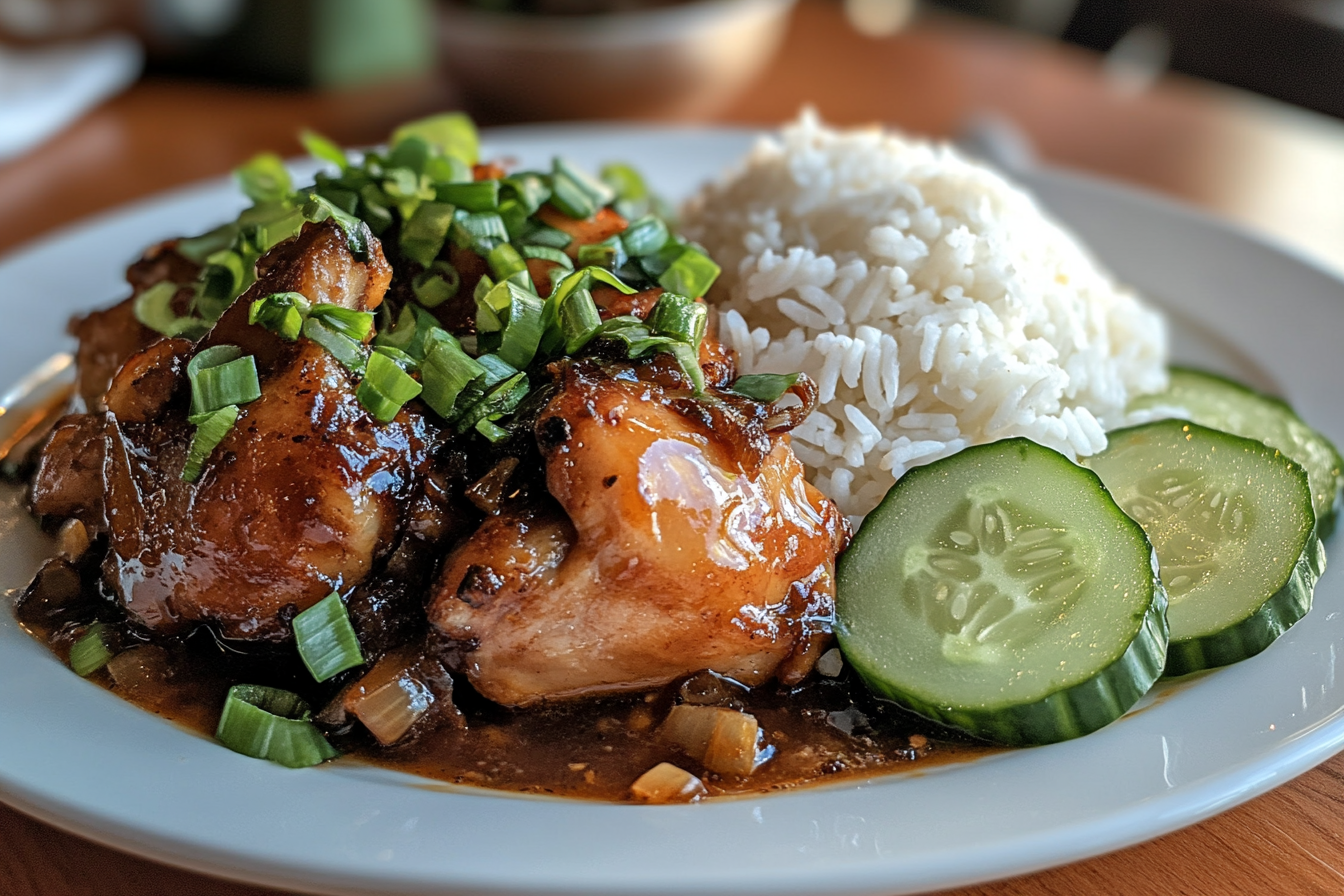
[677, 61]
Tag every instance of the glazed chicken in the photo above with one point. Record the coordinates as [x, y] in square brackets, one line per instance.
[680, 535]
[304, 495]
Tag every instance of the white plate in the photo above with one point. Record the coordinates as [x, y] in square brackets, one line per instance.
[78, 757]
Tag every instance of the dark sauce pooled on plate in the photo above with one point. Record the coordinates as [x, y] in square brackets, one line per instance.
[823, 730]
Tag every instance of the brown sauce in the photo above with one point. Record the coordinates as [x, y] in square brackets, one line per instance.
[823, 731]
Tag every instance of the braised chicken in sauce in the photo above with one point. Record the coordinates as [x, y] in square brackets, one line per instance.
[547, 535]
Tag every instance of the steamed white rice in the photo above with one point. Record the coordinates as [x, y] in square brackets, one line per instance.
[933, 302]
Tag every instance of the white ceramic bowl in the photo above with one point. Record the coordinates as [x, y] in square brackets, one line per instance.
[671, 62]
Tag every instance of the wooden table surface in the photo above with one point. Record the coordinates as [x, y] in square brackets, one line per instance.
[1278, 170]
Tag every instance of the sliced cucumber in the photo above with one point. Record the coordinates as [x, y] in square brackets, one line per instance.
[1220, 403]
[1001, 591]
[1232, 522]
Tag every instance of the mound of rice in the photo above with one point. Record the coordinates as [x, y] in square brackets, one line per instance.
[933, 302]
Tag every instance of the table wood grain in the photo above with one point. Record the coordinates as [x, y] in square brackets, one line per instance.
[1277, 170]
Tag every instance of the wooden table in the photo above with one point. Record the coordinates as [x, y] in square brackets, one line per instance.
[1276, 169]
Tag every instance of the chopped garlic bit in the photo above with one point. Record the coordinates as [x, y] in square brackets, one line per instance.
[723, 740]
[665, 783]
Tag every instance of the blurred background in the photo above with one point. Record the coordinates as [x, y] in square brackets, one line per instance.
[1236, 105]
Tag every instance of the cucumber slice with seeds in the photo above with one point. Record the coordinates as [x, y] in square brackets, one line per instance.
[1220, 403]
[1001, 591]
[1234, 529]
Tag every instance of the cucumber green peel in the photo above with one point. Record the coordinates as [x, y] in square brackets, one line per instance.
[1219, 403]
[1002, 591]
[1233, 525]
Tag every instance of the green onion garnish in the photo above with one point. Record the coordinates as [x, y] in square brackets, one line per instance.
[92, 651]
[263, 178]
[545, 235]
[154, 309]
[318, 209]
[410, 334]
[691, 274]
[765, 387]
[610, 253]
[211, 428]
[521, 314]
[474, 196]
[505, 262]
[576, 192]
[445, 371]
[529, 189]
[268, 723]
[356, 325]
[221, 375]
[501, 398]
[320, 147]
[326, 639]
[452, 133]
[546, 253]
[645, 236]
[386, 386]
[437, 285]
[689, 361]
[424, 233]
[681, 318]
[579, 320]
[282, 313]
[348, 352]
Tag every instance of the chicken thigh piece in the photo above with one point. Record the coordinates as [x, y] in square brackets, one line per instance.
[678, 539]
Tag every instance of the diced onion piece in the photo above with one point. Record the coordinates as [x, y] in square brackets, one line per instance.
[390, 710]
[665, 783]
[723, 740]
[91, 652]
[732, 744]
[689, 727]
[268, 723]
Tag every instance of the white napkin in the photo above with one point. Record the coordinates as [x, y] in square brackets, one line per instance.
[44, 89]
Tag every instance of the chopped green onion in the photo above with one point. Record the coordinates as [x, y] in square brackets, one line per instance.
[320, 147]
[348, 352]
[198, 248]
[268, 723]
[610, 253]
[502, 398]
[544, 235]
[491, 431]
[518, 312]
[505, 261]
[691, 274]
[529, 189]
[283, 313]
[546, 253]
[411, 333]
[326, 640]
[211, 428]
[625, 182]
[645, 236]
[424, 233]
[445, 371]
[579, 320]
[154, 309]
[374, 205]
[345, 200]
[318, 209]
[765, 387]
[437, 285]
[681, 318]
[91, 652]
[385, 387]
[405, 360]
[263, 178]
[496, 368]
[474, 196]
[577, 193]
[452, 133]
[516, 221]
[218, 374]
[478, 230]
[689, 361]
[356, 325]
[411, 154]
